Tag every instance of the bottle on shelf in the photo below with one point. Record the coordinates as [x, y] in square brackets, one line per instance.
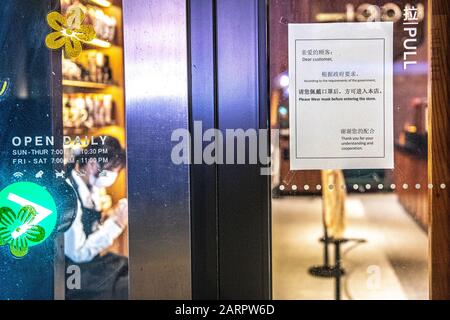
[104, 25]
[97, 70]
[88, 110]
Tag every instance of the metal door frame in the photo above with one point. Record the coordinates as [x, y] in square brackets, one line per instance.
[231, 220]
[200, 224]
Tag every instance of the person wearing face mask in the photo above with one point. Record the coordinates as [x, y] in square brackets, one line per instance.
[102, 275]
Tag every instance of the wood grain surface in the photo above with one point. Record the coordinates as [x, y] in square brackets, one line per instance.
[439, 171]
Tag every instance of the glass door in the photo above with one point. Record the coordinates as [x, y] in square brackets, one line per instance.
[352, 204]
[348, 96]
[63, 198]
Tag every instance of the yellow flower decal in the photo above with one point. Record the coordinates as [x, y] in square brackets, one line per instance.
[69, 32]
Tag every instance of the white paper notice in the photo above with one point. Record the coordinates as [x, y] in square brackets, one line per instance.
[340, 96]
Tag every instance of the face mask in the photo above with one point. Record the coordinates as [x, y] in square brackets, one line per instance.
[105, 180]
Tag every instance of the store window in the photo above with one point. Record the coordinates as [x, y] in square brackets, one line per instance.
[63, 166]
[349, 220]
[350, 131]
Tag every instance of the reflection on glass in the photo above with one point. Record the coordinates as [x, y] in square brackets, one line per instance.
[63, 190]
[93, 110]
[97, 224]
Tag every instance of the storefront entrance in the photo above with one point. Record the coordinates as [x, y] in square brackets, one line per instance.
[224, 149]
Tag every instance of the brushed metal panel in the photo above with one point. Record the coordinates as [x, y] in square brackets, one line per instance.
[156, 104]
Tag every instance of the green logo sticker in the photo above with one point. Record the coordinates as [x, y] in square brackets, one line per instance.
[28, 216]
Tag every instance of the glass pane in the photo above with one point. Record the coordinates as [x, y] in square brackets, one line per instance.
[350, 232]
[64, 213]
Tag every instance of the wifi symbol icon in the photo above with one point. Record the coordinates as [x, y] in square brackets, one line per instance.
[18, 175]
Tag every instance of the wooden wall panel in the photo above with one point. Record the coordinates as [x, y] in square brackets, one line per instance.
[439, 170]
[412, 170]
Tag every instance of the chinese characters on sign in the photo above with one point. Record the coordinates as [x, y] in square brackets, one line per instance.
[341, 104]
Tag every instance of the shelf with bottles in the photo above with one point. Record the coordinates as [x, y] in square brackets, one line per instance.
[101, 3]
[92, 69]
[104, 16]
[85, 84]
[83, 113]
